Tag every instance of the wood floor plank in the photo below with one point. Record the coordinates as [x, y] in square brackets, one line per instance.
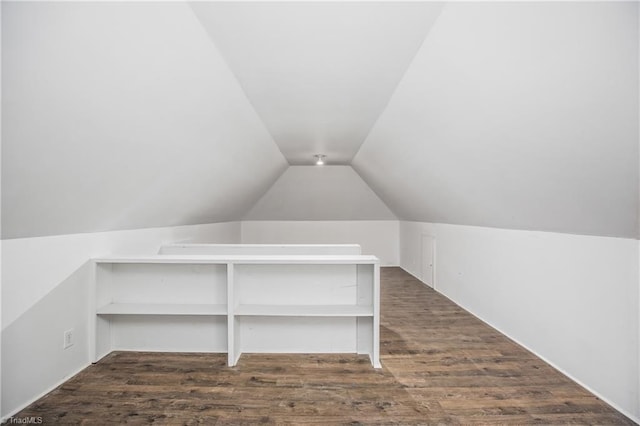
[441, 365]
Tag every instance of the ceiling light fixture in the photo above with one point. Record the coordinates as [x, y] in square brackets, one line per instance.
[320, 159]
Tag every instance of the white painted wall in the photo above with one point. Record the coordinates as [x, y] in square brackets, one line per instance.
[520, 115]
[638, 416]
[320, 193]
[573, 300]
[379, 238]
[0, 220]
[32, 267]
[44, 293]
[123, 115]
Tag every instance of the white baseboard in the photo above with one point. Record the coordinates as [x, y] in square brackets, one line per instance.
[417, 278]
[552, 364]
[34, 399]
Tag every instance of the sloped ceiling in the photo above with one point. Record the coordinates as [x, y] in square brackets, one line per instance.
[320, 193]
[516, 115]
[318, 73]
[511, 114]
[122, 115]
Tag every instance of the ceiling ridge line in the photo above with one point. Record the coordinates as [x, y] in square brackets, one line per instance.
[400, 80]
[242, 88]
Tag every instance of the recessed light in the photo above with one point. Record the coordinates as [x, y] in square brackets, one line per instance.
[320, 159]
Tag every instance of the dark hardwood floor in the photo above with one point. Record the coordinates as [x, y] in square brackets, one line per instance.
[441, 365]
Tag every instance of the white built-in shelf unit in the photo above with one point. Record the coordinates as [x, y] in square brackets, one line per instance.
[292, 300]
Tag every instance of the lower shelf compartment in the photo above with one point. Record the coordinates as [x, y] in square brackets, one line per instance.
[170, 333]
[297, 334]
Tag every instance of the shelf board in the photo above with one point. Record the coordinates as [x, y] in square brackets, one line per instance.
[246, 259]
[304, 310]
[232, 246]
[161, 309]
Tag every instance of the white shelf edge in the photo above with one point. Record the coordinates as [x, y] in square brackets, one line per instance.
[245, 259]
[304, 310]
[162, 309]
[256, 245]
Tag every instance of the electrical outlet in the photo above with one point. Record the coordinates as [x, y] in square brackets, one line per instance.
[68, 339]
